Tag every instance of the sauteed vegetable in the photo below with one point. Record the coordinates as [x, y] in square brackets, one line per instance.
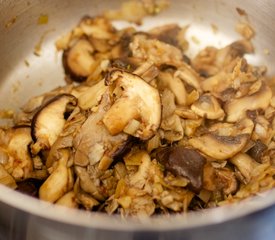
[142, 129]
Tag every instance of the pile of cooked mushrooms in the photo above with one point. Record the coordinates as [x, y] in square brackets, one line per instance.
[141, 129]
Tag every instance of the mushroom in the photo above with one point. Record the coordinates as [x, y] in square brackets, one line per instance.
[49, 121]
[93, 142]
[18, 150]
[184, 162]
[78, 60]
[222, 179]
[147, 71]
[173, 129]
[226, 181]
[134, 100]
[98, 27]
[59, 182]
[245, 126]
[236, 108]
[86, 200]
[245, 164]
[257, 151]
[155, 51]
[219, 147]
[167, 33]
[208, 106]
[6, 179]
[175, 85]
[236, 49]
[188, 75]
[68, 200]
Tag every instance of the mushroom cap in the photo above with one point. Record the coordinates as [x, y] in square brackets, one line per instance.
[219, 147]
[49, 121]
[236, 108]
[138, 100]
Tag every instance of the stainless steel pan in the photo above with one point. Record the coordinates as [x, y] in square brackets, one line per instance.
[22, 75]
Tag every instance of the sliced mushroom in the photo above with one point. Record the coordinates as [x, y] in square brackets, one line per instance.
[155, 51]
[232, 51]
[245, 126]
[58, 183]
[219, 147]
[6, 179]
[78, 60]
[93, 142]
[175, 85]
[167, 33]
[18, 149]
[219, 180]
[257, 151]
[98, 27]
[226, 181]
[86, 200]
[173, 129]
[49, 121]
[68, 200]
[207, 106]
[245, 164]
[147, 71]
[135, 100]
[184, 162]
[236, 108]
[189, 75]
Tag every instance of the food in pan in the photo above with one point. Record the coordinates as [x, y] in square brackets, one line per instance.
[139, 128]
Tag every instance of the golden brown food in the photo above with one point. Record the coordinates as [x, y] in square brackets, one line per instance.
[141, 129]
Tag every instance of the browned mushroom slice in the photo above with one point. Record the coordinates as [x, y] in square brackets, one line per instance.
[208, 106]
[219, 147]
[78, 60]
[210, 61]
[49, 121]
[226, 181]
[59, 182]
[221, 179]
[93, 142]
[189, 75]
[167, 33]
[245, 126]
[6, 179]
[236, 108]
[17, 149]
[98, 27]
[166, 79]
[232, 51]
[156, 51]
[184, 162]
[245, 164]
[136, 103]
[257, 151]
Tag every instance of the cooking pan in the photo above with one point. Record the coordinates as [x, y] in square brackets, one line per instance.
[27, 26]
